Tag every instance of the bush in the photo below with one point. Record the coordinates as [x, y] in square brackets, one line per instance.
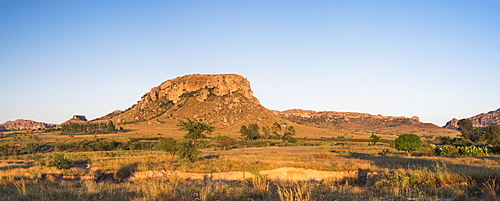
[125, 171]
[494, 150]
[446, 150]
[61, 162]
[429, 150]
[408, 143]
[385, 152]
[473, 151]
[463, 142]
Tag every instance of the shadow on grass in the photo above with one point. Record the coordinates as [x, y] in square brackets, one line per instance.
[434, 164]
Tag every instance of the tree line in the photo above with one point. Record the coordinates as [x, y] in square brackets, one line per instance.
[489, 135]
[276, 131]
[88, 128]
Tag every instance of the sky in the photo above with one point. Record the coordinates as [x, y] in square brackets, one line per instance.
[437, 60]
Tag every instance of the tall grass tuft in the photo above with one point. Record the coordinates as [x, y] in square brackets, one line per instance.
[20, 186]
[491, 190]
[298, 192]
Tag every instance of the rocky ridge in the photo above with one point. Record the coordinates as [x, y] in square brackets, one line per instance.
[480, 120]
[362, 122]
[23, 124]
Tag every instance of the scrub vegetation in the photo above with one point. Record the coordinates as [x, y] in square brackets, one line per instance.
[52, 166]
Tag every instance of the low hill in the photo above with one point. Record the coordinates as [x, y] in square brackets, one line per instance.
[23, 124]
[480, 120]
[361, 122]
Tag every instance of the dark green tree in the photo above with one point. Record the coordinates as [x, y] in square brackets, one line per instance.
[408, 143]
[251, 132]
[477, 134]
[465, 127]
[188, 151]
[276, 130]
[492, 133]
[197, 131]
[110, 127]
[375, 138]
[289, 133]
[61, 162]
[169, 145]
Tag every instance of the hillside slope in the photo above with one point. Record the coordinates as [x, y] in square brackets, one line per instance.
[361, 122]
[224, 100]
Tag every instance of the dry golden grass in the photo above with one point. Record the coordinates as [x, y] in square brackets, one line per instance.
[401, 177]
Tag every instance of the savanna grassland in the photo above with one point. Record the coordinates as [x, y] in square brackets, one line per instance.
[128, 165]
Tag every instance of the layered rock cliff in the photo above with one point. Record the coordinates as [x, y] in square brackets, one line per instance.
[22, 124]
[222, 100]
[480, 120]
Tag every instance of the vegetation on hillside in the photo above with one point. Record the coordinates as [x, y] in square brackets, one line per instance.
[489, 135]
[277, 131]
[432, 174]
[197, 132]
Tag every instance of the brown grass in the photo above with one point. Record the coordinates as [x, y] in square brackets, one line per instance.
[395, 177]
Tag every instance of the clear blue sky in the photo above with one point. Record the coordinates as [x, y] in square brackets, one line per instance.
[433, 59]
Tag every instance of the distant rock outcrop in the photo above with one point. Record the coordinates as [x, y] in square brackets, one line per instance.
[79, 117]
[76, 119]
[222, 100]
[22, 124]
[361, 122]
[480, 120]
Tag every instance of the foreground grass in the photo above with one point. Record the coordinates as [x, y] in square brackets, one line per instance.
[400, 185]
[394, 177]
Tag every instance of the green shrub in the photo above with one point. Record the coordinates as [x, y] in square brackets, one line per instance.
[408, 143]
[61, 162]
[429, 150]
[472, 151]
[385, 152]
[446, 150]
[125, 171]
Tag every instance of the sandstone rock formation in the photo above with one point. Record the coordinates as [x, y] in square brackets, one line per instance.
[79, 117]
[361, 122]
[22, 124]
[218, 85]
[480, 120]
[222, 100]
[76, 119]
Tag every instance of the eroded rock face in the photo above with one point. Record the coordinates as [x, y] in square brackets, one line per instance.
[218, 85]
[221, 100]
[453, 124]
[480, 120]
[22, 124]
[79, 117]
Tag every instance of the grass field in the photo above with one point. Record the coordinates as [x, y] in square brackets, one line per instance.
[390, 176]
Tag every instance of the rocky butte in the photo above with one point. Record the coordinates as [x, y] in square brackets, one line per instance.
[22, 124]
[480, 120]
[222, 100]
